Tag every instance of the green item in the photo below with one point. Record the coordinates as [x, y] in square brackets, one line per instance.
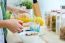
[27, 3]
[3, 7]
[8, 14]
[31, 20]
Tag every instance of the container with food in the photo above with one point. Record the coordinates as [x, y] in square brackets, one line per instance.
[62, 33]
[53, 20]
[62, 29]
[48, 20]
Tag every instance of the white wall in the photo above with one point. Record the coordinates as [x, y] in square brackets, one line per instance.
[47, 5]
[63, 2]
[44, 4]
[13, 2]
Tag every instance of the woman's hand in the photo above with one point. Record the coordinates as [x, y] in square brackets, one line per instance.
[14, 25]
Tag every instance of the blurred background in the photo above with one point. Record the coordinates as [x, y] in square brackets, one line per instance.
[52, 12]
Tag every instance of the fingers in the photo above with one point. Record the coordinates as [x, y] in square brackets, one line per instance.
[19, 30]
[19, 26]
[16, 30]
[21, 22]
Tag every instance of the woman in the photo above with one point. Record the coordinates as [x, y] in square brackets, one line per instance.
[12, 24]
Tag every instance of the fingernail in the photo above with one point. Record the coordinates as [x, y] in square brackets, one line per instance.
[20, 31]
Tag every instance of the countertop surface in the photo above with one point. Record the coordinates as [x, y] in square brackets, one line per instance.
[44, 36]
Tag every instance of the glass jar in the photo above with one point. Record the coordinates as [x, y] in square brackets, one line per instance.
[58, 22]
[48, 20]
[53, 21]
[62, 29]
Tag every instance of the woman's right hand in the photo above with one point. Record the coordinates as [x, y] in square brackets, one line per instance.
[14, 25]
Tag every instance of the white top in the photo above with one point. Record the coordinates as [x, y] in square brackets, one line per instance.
[1, 30]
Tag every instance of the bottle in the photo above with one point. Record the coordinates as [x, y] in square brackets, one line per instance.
[35, 27]
[37, 18]
[36, 8]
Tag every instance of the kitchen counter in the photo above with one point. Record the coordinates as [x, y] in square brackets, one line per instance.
[44, 36]
[51, 37]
